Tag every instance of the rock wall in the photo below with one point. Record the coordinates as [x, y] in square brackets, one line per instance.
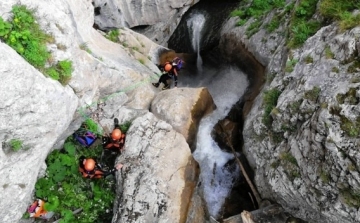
[307, 159]
[41, 112]
[158, 19]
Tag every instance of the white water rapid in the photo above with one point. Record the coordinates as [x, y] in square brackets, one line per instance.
[195, 25]
[226, 88]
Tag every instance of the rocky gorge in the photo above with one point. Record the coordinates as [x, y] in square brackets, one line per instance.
[305, 158]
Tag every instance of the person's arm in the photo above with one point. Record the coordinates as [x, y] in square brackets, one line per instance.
[175, 77]
[113, 170]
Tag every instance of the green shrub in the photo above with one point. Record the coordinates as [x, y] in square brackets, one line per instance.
[273, 25]
[351, 128]
[269, 101]
[66, 190]
[24, 35]
[257, 8]
[15, 144]
[84, 46]
[308, 59]
[52, 73]
[328, 53]
[351, 197]
[286, 156]
[113, 35]
[92, 126]
[290, 65]
[253, 28]
[312, 94]
[65, 69]
[125, 126]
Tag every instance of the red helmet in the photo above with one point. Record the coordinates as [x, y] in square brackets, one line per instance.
[89, 164]
[116, 134]
[167, 67]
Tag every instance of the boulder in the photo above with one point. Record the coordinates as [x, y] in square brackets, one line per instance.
[175, 105]
[159, 174]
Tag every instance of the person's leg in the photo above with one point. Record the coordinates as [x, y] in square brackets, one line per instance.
[166, 80]
[161, 80]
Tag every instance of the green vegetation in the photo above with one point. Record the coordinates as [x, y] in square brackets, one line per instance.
[113, 35]
[141, 61]
[340, 11]
[349, 97]
[135, 48]
[84, 46]
[15, 144]
[92, 126]
[302, 26]
[24, 35]
[312, 94]
[328, 53]
[286, 156]
[290, 64]
[308, 59]
[273, 25]
[325, 176]
[125, 126]
[290, 165]
[303, 23]
[354, 67]
[335, 69]
[65, 190]
[351, 197]
[270, 101]
[351, 128]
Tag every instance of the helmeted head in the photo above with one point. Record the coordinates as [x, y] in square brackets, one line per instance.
[167, 67]
[89, 164]
[116, 134]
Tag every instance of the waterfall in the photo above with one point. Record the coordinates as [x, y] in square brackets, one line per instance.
[195, 25]
[226, 87]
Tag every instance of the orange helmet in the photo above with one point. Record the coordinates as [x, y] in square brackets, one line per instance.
[89, 164]
[116, 134]
[167, 67]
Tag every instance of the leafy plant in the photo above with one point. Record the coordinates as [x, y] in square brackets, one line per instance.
[15, 144]
[290, 65]
[125, 126]
[328, 53]
[273, 25]
[340, 11]
[24, 35]
[113, 35]
[92, 126]
[65, 190]
[141, 61]
[270, 100]
[312, 94]
[308, 59]
[84, 46]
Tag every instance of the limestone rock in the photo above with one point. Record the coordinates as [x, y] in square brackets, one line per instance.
[35, 110]
[306, 160]
[174, 105]
[159, 174]
[161, 18]
[41, 112]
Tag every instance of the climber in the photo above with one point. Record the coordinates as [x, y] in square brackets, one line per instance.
[89, 168]
[170, 70]
[37, 210]
[116, 140]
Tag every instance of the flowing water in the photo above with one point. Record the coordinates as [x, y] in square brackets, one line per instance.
[195, 25]
[226, 87]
